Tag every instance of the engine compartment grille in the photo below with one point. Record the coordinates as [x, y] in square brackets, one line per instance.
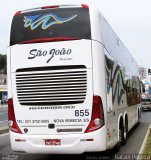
[54, 85]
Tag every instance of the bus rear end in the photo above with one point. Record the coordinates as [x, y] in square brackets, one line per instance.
[52, 107]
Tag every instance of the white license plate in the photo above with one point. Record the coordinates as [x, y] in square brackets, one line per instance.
[52, 142]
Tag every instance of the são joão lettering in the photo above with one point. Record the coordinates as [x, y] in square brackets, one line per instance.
[51, 53]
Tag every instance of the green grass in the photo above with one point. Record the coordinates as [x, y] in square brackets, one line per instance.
[147, 149]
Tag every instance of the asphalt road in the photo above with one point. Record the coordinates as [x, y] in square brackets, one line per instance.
[137, 135]
[3, 116]
[134, 142]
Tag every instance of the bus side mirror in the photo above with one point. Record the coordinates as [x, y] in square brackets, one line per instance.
[143, 89]
[149, 71]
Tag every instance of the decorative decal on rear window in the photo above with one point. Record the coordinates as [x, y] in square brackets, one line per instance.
[45, 21]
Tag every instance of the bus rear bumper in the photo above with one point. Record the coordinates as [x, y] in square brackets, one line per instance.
[70, 144]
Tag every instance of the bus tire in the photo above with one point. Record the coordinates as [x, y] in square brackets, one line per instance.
[138, 118]
[126, 128]
[122, 136]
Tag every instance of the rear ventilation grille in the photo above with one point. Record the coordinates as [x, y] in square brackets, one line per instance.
[58, 85]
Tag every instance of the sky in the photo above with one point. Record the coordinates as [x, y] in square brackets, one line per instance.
[130, 19]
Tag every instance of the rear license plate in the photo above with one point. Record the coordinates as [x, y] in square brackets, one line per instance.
[52, 142]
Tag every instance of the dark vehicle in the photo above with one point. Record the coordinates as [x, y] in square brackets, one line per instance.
[3, 97]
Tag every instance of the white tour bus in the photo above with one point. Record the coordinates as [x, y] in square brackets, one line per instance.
[73, 87]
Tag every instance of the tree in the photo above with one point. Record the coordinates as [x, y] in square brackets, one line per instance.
[3, 63]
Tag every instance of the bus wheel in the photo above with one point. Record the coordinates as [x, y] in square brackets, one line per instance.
[122, 134]
[126, 130]
[138, 121]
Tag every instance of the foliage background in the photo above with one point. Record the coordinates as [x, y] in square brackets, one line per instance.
[3, 63]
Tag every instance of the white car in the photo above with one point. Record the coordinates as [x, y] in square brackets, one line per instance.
[146, 105]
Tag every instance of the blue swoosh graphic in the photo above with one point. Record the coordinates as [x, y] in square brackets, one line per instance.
[46, 20]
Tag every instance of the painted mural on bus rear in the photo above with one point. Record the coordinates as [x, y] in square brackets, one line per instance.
[74, 88]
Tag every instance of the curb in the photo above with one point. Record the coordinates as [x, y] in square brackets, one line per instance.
[144, 142]
[4, 130]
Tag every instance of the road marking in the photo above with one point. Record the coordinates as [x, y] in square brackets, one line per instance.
[144, 142]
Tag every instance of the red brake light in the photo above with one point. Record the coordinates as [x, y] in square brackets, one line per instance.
[47, 7]
[11, 117]
[17, 13]
[97, 118]
[85, 6]
[42, 40]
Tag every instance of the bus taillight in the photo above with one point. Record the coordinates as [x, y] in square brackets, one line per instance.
[43, 40]
[49, 7]
[17, 13]
[85, 6]
[11, 117]
[97, 118]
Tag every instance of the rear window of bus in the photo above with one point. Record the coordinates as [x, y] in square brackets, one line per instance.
[51, 23]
